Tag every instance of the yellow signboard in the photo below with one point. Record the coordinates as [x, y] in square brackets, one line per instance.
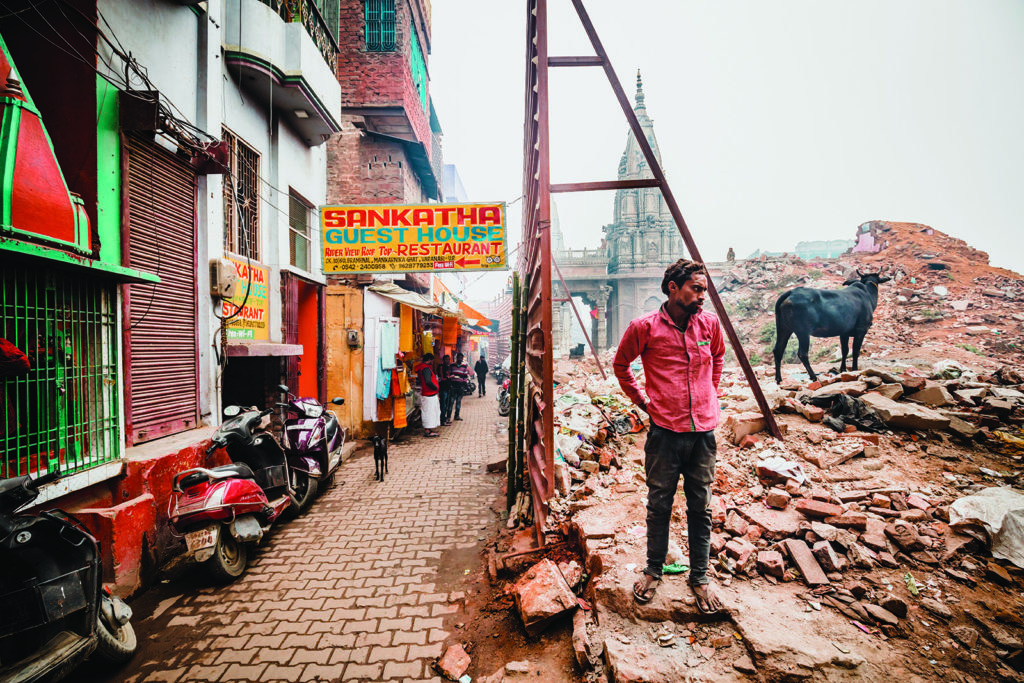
[252, 322]
[394, 238]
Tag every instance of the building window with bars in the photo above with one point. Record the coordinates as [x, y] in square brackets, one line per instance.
[299, 220]
[242, 198]
[380, 25]
[62, 414]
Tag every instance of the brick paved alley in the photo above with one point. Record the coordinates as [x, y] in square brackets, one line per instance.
[354, 589]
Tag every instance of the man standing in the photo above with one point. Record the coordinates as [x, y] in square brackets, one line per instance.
[481, 376]
[444, 375]
[682, 350]
[460, 382]
[430, 405]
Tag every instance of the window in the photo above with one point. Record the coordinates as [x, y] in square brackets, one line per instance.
[380, 25]
[298, 231]
[242, 198]
[418, 67]
[63, 413]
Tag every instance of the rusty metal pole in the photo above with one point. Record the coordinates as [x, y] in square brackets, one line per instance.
[677, 215]
[580, 320]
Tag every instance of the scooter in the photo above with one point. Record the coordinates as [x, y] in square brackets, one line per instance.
[222, 510]
[312, 443]
[56, 612]
[504, 407]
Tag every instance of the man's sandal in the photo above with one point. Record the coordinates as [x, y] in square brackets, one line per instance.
[643, 589]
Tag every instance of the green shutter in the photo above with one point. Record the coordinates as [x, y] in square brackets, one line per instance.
[380, 25]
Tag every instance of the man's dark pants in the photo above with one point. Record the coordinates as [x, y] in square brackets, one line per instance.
[668, 455]
[446, 403]
[481, 384]
[456, 400]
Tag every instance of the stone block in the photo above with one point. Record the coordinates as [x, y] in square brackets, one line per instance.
[904, 415]
[826, 556]
[542, 594]
[933, 395]
[735, 524]
[455, 662]
[740, 549]
[771, 563]
[890, 391]
[585, 647]
[743, 424]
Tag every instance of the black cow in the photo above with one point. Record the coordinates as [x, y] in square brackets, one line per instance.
[842, 313]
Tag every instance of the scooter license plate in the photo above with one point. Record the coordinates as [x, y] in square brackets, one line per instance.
[203, 538]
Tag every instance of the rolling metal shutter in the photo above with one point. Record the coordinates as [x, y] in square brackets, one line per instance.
[160, 333]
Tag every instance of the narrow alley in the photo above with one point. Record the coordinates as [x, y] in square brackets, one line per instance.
[362, 587]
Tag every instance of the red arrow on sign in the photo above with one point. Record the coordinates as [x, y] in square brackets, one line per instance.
[461, 263]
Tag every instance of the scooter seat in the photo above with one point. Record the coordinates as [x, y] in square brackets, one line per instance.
[235, 469]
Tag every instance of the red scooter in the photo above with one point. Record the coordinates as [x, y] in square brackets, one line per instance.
[223, 509]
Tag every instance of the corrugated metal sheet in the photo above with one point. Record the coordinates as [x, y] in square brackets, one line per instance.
[161, 360]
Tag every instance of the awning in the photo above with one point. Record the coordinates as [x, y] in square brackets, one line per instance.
[262, 349]
[412, 300]
[473, 315]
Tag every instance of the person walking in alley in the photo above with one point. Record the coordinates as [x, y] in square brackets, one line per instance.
[682, 351]
[444, 375]
[460, 382]
[430, 404]
[481, 376]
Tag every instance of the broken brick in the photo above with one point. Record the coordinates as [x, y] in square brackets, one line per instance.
[916, 501]
[740, 549]
[817, 509]
[805, 562]
[849, 520]
[771, 563]
[777, 498]
[734, 524]
[827, 558]
[718, 542]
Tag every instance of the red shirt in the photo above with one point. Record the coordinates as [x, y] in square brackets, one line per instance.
[682, 369]
[428, 380]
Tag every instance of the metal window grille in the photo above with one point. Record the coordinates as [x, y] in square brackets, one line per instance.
[418, 67]
[242, 199]
[63, 414]
[298, 232]
[380, 25]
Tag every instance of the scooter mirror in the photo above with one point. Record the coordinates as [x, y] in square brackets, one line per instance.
[338, 400]
[283, 388]
[232, 411]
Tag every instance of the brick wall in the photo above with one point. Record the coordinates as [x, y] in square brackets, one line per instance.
[362, 169]
[378, 79]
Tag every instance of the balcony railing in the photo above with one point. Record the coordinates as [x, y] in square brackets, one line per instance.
[582, 257]
[307, 12]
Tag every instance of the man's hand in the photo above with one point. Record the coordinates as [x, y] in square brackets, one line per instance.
[643, 406]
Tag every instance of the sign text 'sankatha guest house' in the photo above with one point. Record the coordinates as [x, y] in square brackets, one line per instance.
[428, 237]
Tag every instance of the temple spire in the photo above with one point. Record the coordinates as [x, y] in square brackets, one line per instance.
[639, 91]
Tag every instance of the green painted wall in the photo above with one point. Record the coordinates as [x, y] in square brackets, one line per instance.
[108, 172]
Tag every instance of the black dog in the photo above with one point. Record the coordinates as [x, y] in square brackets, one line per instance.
[380, 457]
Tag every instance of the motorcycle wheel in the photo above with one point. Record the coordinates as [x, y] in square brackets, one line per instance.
[118, 647]
[228, 561]
[503, 408]
[305, 491]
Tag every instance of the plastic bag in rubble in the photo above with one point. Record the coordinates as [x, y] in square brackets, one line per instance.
[850, 410]
[947, 369]
[570, 399]
[566, 445]
[999, 511]
[785, 469]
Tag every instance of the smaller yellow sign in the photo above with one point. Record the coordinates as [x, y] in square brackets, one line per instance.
[253, 320]
[395, 238]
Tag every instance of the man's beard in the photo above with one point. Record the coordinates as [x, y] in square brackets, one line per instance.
[692, 308]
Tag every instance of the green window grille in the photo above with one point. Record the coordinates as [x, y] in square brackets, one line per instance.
[380, 25]
[418, 67]
[62, 414]
[298, 232]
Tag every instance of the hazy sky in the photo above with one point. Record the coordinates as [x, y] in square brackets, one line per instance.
[777, 121]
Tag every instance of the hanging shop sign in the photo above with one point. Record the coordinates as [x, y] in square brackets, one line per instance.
[425, 237]
[253, 321]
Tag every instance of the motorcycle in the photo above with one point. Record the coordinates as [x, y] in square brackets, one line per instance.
[56, 611]
[504, 406]
[312, 443]
[222, 510]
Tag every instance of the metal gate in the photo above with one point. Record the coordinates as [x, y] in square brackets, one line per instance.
[62, 414]
[160, 334]
[536, 262]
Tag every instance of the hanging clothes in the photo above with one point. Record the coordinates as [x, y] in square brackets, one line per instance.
[388, 344]
[400, 416]
[406, 333]
[385, 409]
[383, 381]
[450, 331]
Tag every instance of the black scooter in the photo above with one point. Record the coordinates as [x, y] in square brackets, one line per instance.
[55, 610]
